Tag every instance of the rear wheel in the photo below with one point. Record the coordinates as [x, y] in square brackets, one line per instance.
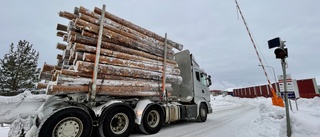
[152, 120]
[71, 122]
[202, 113]
[116, 122]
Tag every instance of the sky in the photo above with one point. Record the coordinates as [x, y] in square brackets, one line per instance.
[211, 29]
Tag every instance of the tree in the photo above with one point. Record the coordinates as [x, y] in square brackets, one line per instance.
[18, 68]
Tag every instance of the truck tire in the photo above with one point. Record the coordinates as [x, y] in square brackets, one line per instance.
[116, 122]
[69, 122]
[152, 120]
[202, 113]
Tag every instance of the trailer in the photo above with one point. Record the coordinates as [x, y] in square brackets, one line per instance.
[126, 92]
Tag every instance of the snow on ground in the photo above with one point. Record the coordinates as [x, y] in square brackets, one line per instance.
[262, 119]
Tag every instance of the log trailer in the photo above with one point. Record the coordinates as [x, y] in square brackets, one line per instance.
[126, 92]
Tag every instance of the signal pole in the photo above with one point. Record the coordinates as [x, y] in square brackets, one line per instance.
[282, 53]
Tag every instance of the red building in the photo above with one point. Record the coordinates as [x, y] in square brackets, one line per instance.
[304, 88]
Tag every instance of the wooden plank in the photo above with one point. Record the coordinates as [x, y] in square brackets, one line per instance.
[138, 28]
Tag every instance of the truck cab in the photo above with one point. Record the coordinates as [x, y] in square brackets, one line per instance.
[194, 89]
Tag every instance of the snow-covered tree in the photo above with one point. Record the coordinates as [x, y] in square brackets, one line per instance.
[18, 68]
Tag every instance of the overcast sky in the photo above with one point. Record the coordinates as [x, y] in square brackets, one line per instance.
[211, 29]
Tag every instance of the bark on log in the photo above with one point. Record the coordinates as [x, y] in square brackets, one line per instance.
[104, 90]
[126, 72]
[125, 41]
[47, 67]
[62, 27]
[107, 45]
[61, 34]
[74, 80]
[123, 30]
[129, 63]
[45, 75]
[137, 28]
[61, 46]
[89, 75]
[66, 54]
[59, 57]
[110, 53]
[67, 15]
[41, 85]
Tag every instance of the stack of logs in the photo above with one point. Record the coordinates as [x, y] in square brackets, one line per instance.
[131, 57]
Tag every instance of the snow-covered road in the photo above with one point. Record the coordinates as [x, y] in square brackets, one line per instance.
[222, 122]
[231, 117]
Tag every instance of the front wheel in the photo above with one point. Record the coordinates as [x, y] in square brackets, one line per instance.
[152, 120]
[70, 122]
[116, 122]
[202, 113]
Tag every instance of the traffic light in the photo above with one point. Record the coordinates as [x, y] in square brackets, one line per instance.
[281, 53]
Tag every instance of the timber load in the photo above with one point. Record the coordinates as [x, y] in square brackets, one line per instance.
[131, 63]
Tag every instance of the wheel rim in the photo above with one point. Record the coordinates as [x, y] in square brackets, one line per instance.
[119, 123]
[68, 127]
[153, 118]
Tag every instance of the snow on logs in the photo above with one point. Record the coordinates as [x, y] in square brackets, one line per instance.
[131, 57]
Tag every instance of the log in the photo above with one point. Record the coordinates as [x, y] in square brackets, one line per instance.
[123, 30]
[61, 34]
[74, 80]
[47, 67]
[129, 63]
[126, 72]
[61, 27]
[104, 90]
[89, 75]
[107, 45]
[66, 54]
[137, 28]
[125, 41]
[67, 15]
[45, 75]
[61, 46]
[41, 85]
[110, 53]
[59, 57]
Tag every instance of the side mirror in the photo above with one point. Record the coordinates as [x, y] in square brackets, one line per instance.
[209, 81]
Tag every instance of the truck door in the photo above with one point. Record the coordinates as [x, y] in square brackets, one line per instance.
[201, 88]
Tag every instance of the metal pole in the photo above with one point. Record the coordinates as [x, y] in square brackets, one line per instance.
[283, 63]
[164, 69]
[96, 61]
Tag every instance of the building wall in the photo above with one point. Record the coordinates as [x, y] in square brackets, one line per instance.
[305, 88]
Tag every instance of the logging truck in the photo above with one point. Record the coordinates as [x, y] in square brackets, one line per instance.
[115, 77]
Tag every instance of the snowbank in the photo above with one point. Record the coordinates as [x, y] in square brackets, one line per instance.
[24, 104]
[305, 122]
